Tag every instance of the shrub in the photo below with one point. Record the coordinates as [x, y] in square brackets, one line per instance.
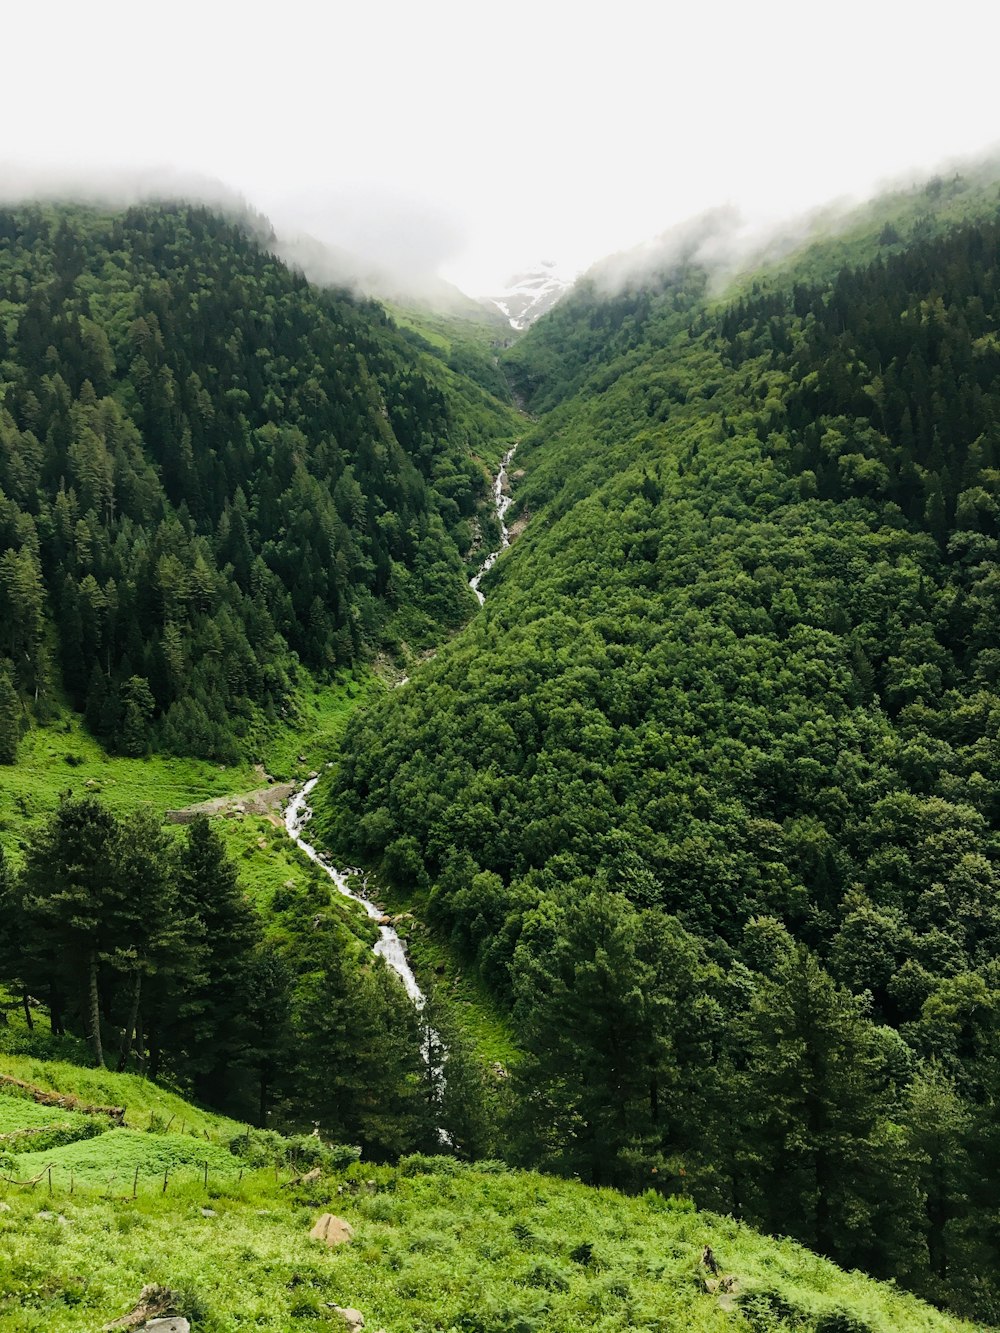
[265, 1147]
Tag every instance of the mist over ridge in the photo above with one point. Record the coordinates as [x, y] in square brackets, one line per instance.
[395, 247]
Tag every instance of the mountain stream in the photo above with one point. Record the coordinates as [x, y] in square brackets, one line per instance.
[298, 813]
[501, 503]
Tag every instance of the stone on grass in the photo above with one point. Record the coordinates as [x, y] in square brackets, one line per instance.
[353, 1319]
[332, 1230]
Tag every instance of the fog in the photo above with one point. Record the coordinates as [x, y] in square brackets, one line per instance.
[464, 142]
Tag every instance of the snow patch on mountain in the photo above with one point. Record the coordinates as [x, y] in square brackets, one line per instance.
[528, 295]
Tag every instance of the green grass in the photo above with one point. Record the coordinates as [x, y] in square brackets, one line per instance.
[18, 1112]
[144, 1102]
[119, 1153]
[61, 759]
[437, 1244]
[475, 1011]
[265, 857]
[271, 867]
[437, 965]
[310, 740]
[465, 1250]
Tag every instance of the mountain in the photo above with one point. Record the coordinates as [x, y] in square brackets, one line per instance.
[213, 476]
[702, 804]
[711, 804]
[529, 295]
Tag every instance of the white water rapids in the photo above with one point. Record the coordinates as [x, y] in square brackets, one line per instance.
[501, 503]
[298, 813]
[389, 946]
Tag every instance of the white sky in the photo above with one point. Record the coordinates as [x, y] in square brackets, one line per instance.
[476, 138]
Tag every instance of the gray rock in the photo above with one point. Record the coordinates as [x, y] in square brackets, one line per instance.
[171, 1324]
[353, 1319]
[209, 1212]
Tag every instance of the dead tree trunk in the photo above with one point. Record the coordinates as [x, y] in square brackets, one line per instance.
[130, 1022]
[94, 1011]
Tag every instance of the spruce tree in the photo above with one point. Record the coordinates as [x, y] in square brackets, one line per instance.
[813, 1097]
[73, 897]
[10, 717]
[147, 929]
[359, 1067]
[201, 1016]
[586, 1004]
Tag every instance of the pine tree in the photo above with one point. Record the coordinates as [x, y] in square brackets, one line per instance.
[270, 986]
[359, 1070]
[10, 717]
[813, 1097]
[147, 929]
[589, 1025]
[73, 894]
[937, 1126]
[14, 966]
[201, 1013]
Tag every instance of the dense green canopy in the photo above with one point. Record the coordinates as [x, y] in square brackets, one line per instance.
[739, 678]
[210, 470]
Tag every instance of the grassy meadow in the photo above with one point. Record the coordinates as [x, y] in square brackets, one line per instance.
[437, 1245]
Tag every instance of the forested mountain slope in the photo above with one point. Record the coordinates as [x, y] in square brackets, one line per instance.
[210, 470]
[709, 791]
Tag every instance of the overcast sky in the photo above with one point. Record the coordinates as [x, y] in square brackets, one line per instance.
[476, 138]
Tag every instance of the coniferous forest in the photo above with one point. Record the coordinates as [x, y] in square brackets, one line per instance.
[705, 799]
[210, 473]
[708, 792]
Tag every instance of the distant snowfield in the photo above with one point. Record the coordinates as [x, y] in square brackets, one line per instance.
[530, 294]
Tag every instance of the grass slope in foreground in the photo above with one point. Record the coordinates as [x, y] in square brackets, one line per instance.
[437, 1245]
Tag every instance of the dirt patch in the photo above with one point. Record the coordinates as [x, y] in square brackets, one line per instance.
[517, 528]
[263, 801]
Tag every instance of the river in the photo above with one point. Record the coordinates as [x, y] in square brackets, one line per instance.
[298, 812]
[389, 946]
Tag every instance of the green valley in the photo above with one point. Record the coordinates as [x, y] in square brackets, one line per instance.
[690, 832]
[707, 793]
